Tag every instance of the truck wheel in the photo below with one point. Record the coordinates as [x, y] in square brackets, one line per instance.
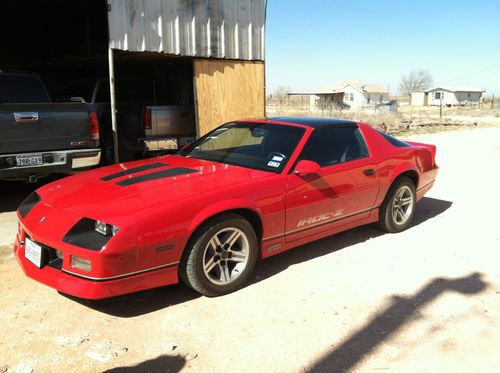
[398, 208]
[221, 256]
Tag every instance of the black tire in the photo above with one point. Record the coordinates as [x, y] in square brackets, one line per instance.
[201, 254]
[389, 219]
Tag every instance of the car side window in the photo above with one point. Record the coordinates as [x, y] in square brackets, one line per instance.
[334, 145]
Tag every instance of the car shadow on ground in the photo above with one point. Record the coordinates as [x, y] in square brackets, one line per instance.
[163, 363]
[400, 311]
[427, 208]
[144, 302]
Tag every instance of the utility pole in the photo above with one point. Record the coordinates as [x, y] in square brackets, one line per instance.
[441, 105]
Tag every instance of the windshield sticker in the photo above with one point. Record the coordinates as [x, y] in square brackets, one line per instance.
[273, 164]
[277, 158]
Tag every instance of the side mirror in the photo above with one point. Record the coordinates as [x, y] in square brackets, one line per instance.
[305, 167]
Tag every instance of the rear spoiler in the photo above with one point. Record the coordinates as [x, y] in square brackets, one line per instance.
[430, 147]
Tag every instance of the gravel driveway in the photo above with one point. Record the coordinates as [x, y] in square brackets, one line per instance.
[425, 300]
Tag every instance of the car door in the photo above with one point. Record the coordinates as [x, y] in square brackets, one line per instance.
[343, 191]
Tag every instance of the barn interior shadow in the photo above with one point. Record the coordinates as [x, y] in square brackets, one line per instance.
[14, 192]
[144, 302]
[427, 208]
[399, 312]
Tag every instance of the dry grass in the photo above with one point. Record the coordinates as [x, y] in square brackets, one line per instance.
[407, 119]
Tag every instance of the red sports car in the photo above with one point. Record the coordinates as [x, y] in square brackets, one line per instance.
[247, 190]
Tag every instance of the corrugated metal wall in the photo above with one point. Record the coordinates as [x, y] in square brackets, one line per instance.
[232, 29]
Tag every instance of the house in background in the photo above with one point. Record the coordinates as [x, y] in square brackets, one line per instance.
[447, 96]
[353, 93]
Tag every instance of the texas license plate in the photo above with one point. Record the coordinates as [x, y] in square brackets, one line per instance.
[29, 160]
[33, 252]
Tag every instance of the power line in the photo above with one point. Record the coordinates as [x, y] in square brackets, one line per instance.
[471, 74]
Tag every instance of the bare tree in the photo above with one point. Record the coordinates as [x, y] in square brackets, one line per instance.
[280, 94]
[415, 81]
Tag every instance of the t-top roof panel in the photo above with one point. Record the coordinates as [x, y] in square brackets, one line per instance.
[232, 29]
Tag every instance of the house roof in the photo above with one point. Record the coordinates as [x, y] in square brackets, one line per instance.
[455, 89]
[340, 87]
[360, 86]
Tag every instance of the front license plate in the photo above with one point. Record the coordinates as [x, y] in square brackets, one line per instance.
[29, 160]
[33, 252]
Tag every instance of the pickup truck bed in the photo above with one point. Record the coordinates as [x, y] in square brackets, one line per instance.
[43, 137]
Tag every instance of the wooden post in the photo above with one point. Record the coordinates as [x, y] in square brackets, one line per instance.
[113, 103]
[492, 101]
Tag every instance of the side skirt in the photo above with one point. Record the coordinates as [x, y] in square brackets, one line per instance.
[279, 245]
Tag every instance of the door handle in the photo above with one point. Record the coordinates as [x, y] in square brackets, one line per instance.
[29, 117]
[369, 171]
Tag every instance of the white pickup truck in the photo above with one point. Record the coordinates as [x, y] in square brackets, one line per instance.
[144, 126]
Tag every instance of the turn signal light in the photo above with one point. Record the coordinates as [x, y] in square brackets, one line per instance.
[146, 119]
[94, 127]
[80, 263]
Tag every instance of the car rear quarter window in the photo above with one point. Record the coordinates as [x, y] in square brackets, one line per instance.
[394, 141]
[334, 145]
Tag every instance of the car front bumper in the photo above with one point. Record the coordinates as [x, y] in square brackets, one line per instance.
[81, 286]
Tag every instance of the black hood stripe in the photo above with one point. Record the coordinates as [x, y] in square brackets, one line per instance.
[156, 175]
[134, 170]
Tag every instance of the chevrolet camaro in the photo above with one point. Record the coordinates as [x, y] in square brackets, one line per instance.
[245, 191]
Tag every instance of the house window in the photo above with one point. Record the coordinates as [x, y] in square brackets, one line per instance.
[348, 97]
[437, 95]
[368, 99]
[468, 94]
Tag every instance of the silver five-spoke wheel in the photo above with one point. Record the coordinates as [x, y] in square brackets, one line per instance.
[398, 208]
[225, 256]
[220, 255]
[402, 205]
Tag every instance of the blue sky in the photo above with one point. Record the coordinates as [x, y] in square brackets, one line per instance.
[312, 43]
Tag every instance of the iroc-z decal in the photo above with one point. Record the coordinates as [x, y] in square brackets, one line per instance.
[320, 218]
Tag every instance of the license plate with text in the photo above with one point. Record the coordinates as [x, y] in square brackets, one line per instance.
[29, 160]
[33, 252]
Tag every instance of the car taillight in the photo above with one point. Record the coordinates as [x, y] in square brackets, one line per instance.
[146, 119]
[94, 127]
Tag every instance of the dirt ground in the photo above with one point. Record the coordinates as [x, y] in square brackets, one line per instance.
[425, 300]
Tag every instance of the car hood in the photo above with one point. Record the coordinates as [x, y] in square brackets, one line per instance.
[125, 189]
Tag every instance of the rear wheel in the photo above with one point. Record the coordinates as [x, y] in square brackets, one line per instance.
[398, 208]
[221, 255]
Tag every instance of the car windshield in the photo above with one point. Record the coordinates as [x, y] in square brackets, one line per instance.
[260, 146]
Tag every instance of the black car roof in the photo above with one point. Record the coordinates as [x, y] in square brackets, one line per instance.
[316, 122]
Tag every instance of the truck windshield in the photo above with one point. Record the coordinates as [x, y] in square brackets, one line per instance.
[260, 146]
[16, 89]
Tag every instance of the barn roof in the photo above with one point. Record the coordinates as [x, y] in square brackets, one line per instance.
[232, 29]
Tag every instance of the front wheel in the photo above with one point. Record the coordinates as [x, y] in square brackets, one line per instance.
[398, 208]
[221, 255]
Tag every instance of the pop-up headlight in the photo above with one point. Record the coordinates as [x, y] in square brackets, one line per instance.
[90, 234]
[105, 229]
